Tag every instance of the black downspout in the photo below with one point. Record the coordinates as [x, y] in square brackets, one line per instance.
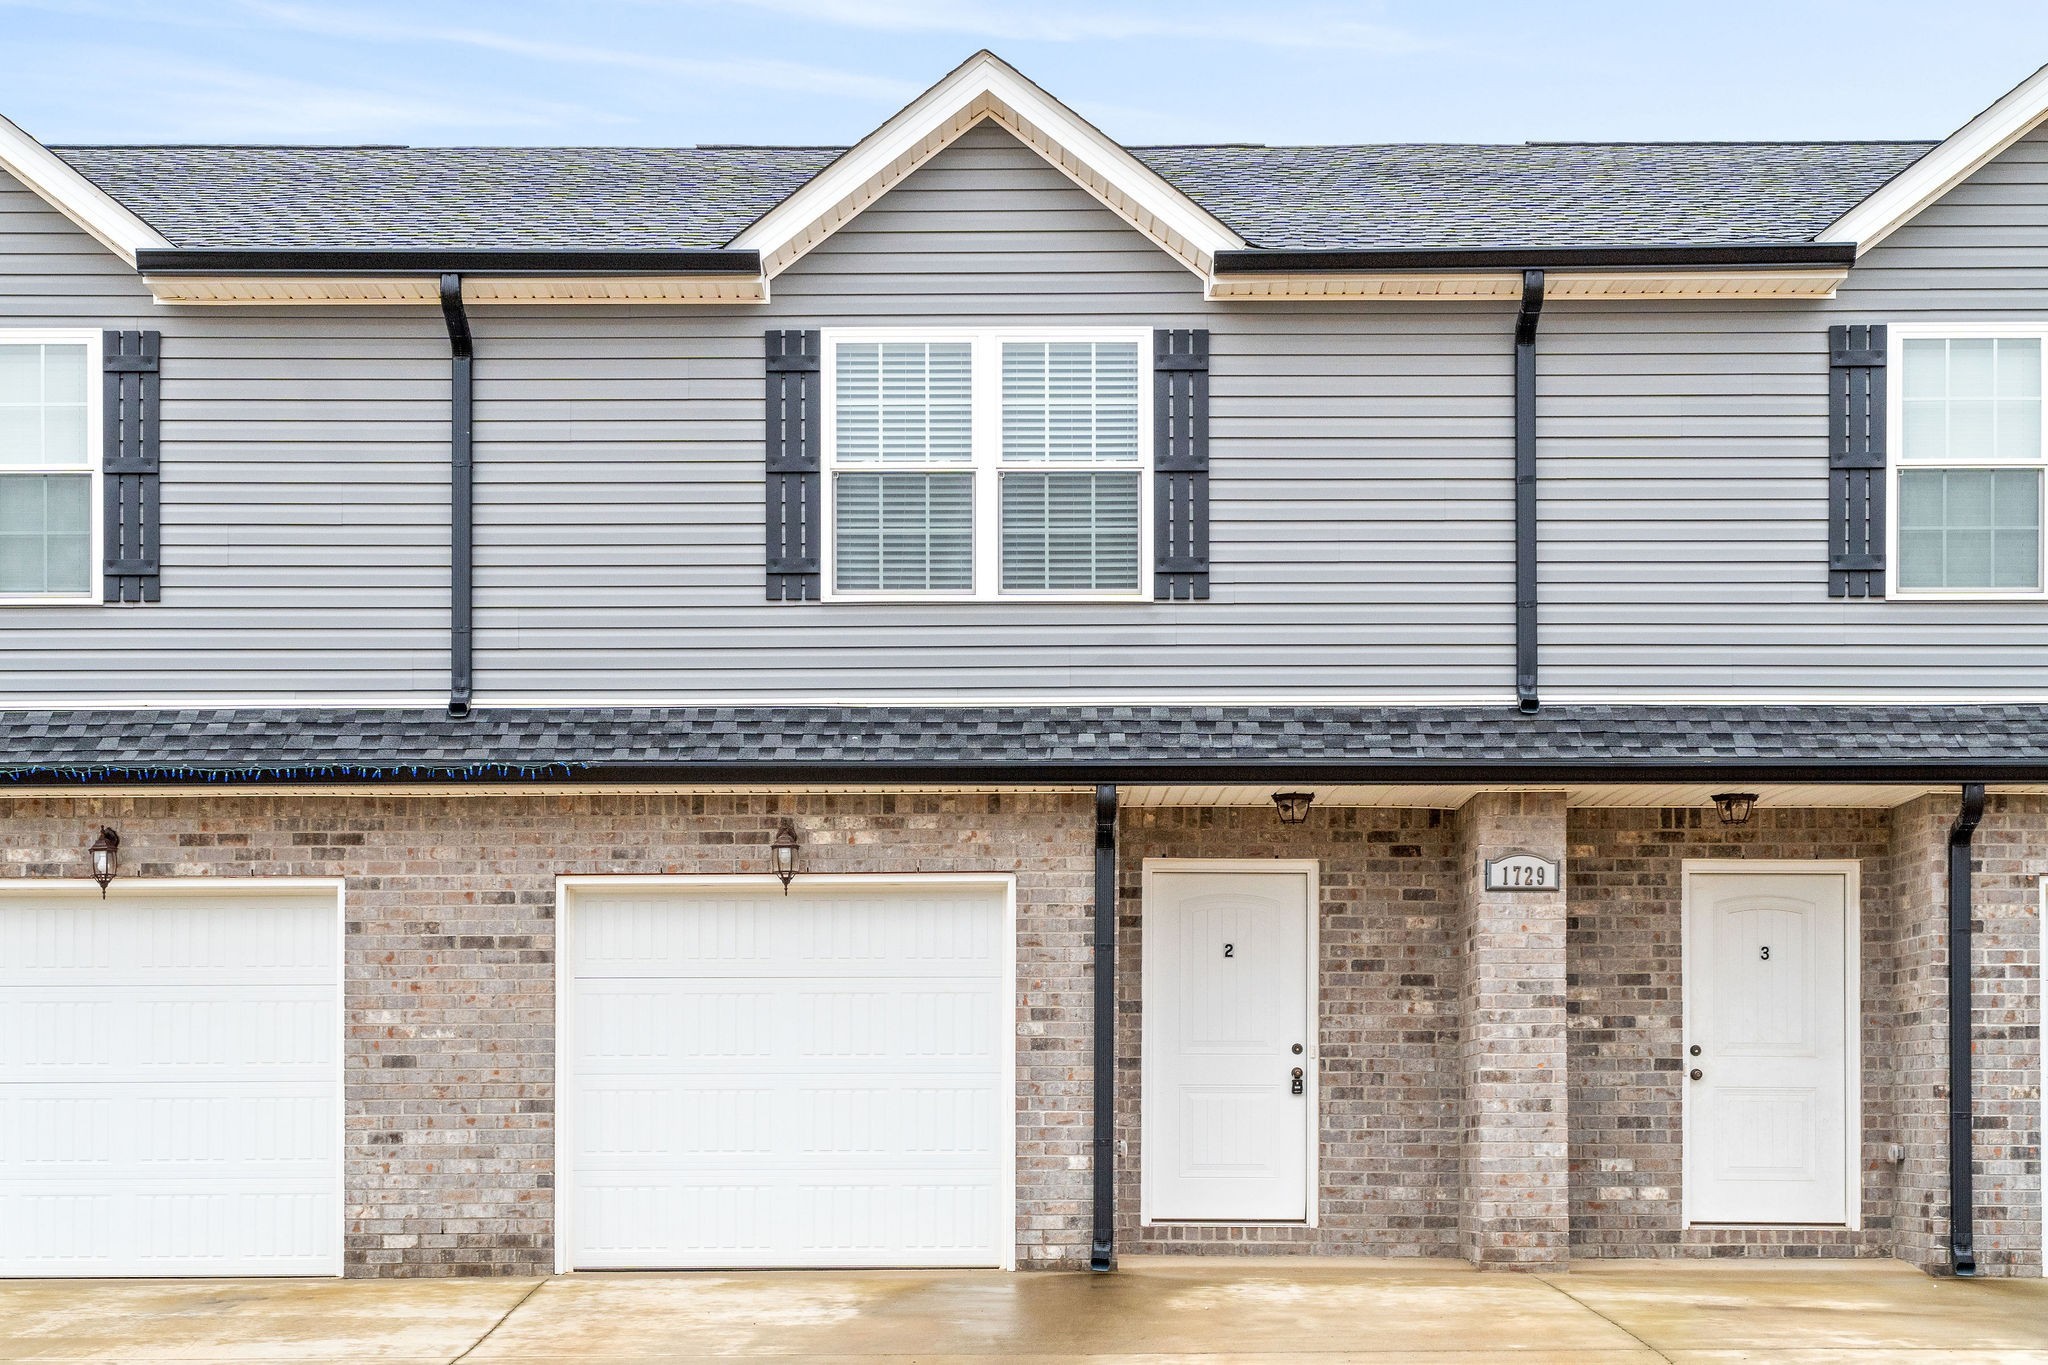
[1102, 1256]
[1525, 489]
[1962, 1195]
[461, 491]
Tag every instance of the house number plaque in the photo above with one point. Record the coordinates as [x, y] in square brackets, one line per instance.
[1522, 872]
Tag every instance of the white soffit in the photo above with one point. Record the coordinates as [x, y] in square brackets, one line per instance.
[1488, 287]
[2018, 112]
[987, 87]
[476, 289]
[72, 195]
[1617, 794]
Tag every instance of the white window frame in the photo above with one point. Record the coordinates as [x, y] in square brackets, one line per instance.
[1896, 336]
[95, 459]
[986, 425]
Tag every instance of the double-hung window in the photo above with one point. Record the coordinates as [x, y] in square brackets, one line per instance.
[996, 463]
[49, 466]
[1967, 475]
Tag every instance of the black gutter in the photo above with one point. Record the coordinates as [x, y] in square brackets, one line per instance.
[1525, 490]
[1286, 260]
[1102, 1255]
[1962, 1198]
[461, 490]
[437, 261]
[499, 771]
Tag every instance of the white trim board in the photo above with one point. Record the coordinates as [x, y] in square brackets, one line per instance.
[2015, 114]
[1851, 872]
[53, 179]
[562, 1156]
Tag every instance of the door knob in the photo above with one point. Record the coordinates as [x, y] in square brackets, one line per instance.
[1698, 1074]
[1297, 1080]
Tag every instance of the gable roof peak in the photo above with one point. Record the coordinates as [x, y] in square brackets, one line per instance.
[987, 89]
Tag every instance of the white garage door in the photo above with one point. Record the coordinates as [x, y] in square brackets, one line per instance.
[816, 1079]
[170, 1081]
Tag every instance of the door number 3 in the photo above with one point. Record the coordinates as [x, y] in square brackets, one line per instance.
[1230, 950]
[1767, 953]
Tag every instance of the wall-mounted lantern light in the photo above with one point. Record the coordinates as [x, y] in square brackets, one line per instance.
[105, 852]
[1293, 806]
[1735, 807]
[782, 854]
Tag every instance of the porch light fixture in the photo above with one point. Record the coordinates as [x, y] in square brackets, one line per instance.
[105, 852]
[1735, 807]
[782, 854]
[1293, 806]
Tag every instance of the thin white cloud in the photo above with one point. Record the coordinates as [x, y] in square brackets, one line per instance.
[746, 72]
[1273, 25]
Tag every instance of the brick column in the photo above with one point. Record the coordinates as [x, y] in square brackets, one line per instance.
[1515, 1154]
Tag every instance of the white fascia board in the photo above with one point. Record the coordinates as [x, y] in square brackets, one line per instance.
[72, 195]
[1902, 198]
[986, 87]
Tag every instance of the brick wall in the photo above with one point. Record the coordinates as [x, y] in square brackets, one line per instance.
[1511, 948]
[1626, 1020]
[450, 966]
[2009, 855]
[1390, 1083]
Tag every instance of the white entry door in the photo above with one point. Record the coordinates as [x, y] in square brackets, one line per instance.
[170, 1079]
[816, 1079]
[1770, 1133]
[1229, 1026]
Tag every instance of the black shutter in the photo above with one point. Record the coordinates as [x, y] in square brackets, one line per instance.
[1856, 459]
[795, 445]
[129, 463]
[1180, 463]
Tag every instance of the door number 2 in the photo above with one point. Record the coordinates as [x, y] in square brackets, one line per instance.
[1230, 950]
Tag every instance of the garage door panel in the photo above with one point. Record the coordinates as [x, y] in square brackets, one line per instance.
[825, 1090]
[184, 937]
[733, 936]
[150, 1132]
[170, 1081]
[118, 1033]
[169, 1229]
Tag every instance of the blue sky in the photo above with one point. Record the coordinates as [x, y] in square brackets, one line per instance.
[683, 71]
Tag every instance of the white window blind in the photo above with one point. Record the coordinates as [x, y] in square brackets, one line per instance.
[905, 402]
[1070, 532]
[905, 533]
[1070, 401]
[1969, 490]
[46, 469]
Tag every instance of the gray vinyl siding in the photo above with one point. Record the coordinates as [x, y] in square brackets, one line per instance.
[1684, 477]
[1362, 533]
[1362, 522]
[305, 509]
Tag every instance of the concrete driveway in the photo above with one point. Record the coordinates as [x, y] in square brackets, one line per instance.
[1266, 1310]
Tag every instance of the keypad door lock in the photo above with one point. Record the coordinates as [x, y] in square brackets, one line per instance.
[1297, 1080]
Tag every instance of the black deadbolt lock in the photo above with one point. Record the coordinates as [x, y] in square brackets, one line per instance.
[1695, 1049]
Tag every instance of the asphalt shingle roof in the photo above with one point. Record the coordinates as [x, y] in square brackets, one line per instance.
[1327, 198]
[1022, 744]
